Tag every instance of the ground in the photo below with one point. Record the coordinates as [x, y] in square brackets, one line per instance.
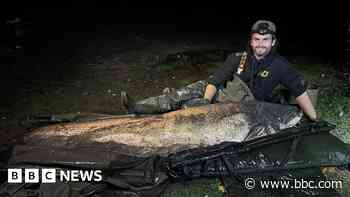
[87, 77]
[85, 74]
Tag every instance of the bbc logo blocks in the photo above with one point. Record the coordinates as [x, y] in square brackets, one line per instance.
[31, 175]
[49, 175]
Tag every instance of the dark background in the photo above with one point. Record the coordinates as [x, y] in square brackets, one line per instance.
[317, 31]
[49, 37]
[59, 30]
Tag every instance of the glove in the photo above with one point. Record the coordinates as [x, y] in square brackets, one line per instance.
[196, 102]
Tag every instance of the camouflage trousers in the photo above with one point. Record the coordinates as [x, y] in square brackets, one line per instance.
[234, 91]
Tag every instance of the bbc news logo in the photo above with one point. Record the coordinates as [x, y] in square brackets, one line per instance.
[51, 175]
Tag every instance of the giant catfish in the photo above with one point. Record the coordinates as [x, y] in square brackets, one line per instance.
[173, 131]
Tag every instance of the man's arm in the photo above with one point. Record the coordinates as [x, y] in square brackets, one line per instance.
[210, 91]
[223, 74]
[306, 105]
[297, 86]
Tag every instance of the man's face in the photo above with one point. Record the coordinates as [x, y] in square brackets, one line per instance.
[261, 44]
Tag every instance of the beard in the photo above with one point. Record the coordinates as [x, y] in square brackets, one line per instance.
[261, 51]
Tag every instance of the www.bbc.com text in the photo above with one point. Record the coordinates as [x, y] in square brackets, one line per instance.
[250, 184]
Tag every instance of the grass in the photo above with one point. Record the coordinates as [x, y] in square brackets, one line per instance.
[333, 106]
[311, 72]
[167, 67]
[196, 188]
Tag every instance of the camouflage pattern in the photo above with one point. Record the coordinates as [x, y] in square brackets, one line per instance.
[172, 100]
[235, 91]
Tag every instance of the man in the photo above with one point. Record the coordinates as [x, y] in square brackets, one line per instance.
[260, 69]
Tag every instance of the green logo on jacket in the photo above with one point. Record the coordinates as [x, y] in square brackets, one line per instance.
[264, 73]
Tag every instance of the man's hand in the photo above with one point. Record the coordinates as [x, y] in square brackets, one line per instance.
[307, 119]
[317, 119]
[196, 102]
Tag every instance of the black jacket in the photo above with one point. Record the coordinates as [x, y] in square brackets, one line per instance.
[261, 76]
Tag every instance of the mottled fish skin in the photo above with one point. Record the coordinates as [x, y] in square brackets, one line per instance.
[165, 133]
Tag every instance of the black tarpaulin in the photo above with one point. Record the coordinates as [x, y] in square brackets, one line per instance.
[293, 153]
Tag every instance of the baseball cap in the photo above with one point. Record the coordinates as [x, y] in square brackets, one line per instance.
[264, 27]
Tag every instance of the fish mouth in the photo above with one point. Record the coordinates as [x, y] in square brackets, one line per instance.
[270, 118]
[290, 120]
[279, 116]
